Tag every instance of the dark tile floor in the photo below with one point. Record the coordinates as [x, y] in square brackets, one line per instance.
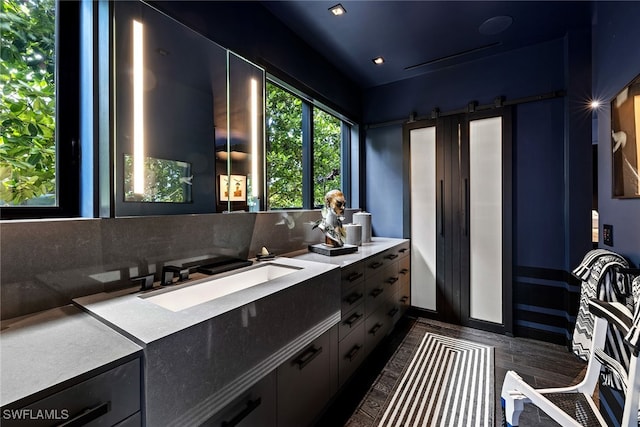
[540, 364]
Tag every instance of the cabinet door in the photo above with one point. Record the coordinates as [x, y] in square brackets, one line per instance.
[351, 353]
[304, 384]
[256, 407]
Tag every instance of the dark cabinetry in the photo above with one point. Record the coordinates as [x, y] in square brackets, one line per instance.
[107, 399]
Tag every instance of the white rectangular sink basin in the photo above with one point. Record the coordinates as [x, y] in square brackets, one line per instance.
[189, 296]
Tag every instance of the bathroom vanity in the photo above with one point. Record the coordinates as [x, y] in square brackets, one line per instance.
[64, 366]
[375, 292]
[268, 345]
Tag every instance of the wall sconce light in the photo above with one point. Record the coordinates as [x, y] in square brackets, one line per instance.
[378, 60]
[498, 101]
[435, 113]
[471, 107]
[138, 108]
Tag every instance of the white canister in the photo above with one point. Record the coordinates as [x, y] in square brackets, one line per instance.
[364, 219]
[354, 234]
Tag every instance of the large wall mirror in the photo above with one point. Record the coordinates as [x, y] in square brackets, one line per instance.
[188, 119]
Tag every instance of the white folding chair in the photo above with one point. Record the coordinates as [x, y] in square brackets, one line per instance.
[574, 405]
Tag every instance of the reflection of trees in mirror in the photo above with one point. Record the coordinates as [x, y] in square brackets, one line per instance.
[167, 181]
[27, 108]
[284, 150]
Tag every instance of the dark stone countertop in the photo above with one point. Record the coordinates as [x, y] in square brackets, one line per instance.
[48, 351]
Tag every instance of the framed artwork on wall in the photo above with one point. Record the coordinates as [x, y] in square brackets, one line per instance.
[625, 134]
[233, 188]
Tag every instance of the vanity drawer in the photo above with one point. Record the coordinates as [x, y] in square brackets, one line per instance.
[304, 383]
[403, 250]
[352, 274]
[376, 327]
[404, 296]
[351, 297]
[351, 320]
[390, 278]
[379, 288]
[376, 291]
[351, 352]
[374, 264]
[103, 400]
[256, 407]
[404, 268]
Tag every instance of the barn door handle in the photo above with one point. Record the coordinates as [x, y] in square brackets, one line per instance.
[441, 208]
[465, 208]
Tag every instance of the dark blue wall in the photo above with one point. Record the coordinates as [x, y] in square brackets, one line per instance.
[384, 193]
[616, 61]
[552, 185]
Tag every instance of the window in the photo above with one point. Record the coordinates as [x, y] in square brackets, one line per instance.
[38, 111]
[304, 151]
[284, 149]
[327, 140]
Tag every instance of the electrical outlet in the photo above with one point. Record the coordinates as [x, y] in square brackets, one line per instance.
[607, 234]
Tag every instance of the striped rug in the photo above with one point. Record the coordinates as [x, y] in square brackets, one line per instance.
[448, 382]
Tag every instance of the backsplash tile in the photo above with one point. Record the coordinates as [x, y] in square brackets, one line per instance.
[45, 264]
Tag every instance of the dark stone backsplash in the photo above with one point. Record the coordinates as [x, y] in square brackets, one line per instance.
[45, 264]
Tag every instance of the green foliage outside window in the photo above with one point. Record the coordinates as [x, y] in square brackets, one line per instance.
[27, 107]
[284, 151]
[284, 148]
[326, 154]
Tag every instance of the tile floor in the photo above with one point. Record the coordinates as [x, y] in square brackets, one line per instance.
[539, 363]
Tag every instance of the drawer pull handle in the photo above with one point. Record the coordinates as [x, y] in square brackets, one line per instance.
[392, 312]
[305, 358]
[375, 328]
[403, 250]
[251, 406]
[353, 319]
[392, 256]
[376, 264]
[404, 299]
[404, 271]
[374, 293]
[88, 415]
[354, 276]
[352, 298]
[352, 353]
[392, 280]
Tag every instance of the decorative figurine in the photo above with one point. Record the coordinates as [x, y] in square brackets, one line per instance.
[332, 216]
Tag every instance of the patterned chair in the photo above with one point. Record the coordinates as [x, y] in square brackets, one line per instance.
[574, 405]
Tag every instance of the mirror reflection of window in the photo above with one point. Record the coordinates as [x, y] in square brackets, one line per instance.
[165, 181]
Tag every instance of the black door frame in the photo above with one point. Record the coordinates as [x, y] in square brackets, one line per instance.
[452, 216]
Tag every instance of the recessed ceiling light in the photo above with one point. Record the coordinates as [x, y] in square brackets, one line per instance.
[338, 10]
[378, 60]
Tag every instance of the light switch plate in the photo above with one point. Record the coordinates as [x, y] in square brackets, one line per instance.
[607, 234]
